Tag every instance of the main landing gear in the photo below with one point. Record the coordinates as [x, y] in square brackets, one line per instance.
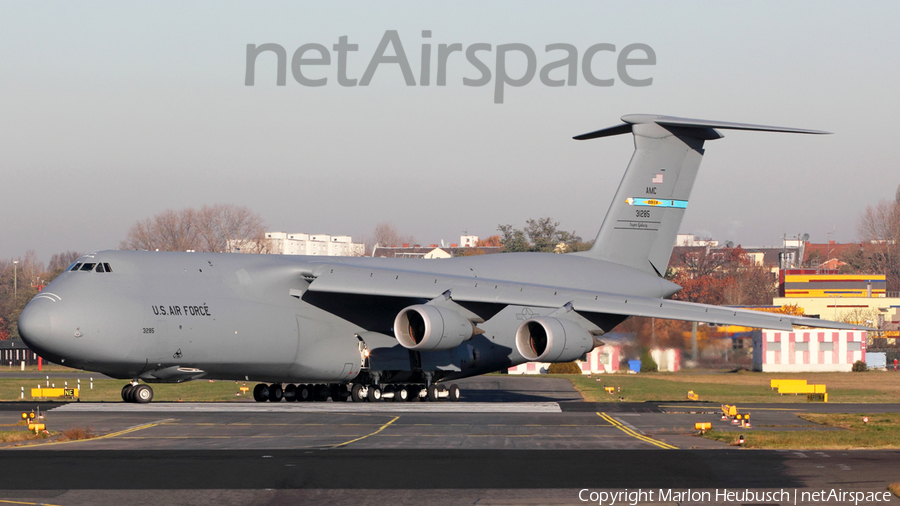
[359, 393]
[300, 393]
[137, 393]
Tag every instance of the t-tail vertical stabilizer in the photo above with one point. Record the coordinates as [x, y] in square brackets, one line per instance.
[642, 223]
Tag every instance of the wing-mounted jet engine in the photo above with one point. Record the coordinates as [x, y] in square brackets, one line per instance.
[549, 339]
[437, 325]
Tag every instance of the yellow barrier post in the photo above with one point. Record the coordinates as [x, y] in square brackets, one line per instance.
[43, 393]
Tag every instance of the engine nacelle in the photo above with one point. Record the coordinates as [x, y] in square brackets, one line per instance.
[548, 339]
[425, 327]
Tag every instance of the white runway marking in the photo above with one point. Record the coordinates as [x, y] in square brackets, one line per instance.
[312, 407]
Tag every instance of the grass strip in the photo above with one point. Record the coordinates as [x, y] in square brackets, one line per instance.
[881, 432]
[735, 388]
[111, 390]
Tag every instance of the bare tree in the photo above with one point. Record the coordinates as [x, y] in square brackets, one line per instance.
[60, 261]
[221, 227]
[386, 234]
[216, 228]
[879, 231]
[31, 269]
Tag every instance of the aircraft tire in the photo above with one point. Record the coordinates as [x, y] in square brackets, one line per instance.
[401, 394]
[356, 393]
[142, 394]
[276, 393]
[126, 390]
[454, 392]
[338, 392]
[415, 393]
[261, 392]
[433, 393]
[290, 392]
[374, 394]
[303, 393]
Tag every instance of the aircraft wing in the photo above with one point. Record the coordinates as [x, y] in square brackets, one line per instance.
[334, 278]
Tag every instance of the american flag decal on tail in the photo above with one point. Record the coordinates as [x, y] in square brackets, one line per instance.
[658, 179]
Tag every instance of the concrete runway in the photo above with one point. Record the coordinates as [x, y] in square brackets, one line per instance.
[511, 440]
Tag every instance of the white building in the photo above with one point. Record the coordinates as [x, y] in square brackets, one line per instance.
[690, 240]
[283, 243]
[468, 241]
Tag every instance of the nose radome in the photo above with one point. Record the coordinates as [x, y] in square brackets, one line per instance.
[34, 325]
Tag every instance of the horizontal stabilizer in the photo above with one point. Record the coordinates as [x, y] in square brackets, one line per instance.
[725, 125]
[672, 121]
[624, 128]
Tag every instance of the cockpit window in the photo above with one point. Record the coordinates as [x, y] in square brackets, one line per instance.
[101, 267]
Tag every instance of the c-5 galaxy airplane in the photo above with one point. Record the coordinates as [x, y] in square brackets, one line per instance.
[312, 327]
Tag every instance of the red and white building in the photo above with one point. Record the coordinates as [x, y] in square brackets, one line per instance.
[818, 350]
[667, 360]
[603, 359]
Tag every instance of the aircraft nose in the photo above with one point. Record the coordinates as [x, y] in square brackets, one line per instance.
[34, 326]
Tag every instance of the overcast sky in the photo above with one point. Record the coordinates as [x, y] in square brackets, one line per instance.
[113, 112]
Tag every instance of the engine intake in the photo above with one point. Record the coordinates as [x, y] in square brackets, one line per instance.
[425, 327]
[548, 339]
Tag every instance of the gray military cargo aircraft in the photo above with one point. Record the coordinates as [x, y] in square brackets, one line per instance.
[313, 327]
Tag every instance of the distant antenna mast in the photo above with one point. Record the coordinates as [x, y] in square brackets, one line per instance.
[830, 234]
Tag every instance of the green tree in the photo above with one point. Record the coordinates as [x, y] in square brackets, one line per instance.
[541, 235]
[513, 240]
[647, 362]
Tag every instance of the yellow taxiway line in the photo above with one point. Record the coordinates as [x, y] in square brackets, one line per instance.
[5, 501]
[106, 436]
[367, 435]
[617, 424]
